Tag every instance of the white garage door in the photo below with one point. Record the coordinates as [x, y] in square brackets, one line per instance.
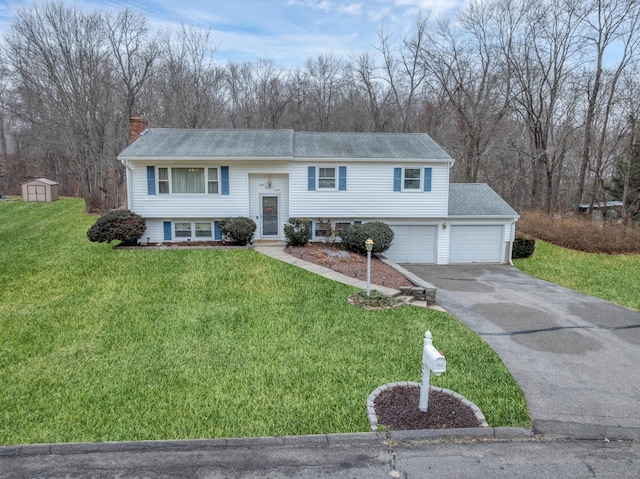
[413, 244]
[475, 244]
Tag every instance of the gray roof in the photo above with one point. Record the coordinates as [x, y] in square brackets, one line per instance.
[367, 145]
[477, 199]
[177, 143]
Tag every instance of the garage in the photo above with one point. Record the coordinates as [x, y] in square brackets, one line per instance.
[413, 244]
[475, 244]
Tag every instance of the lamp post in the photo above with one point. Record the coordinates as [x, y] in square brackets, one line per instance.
[369, 245]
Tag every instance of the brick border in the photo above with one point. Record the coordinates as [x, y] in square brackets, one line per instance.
[373, 417]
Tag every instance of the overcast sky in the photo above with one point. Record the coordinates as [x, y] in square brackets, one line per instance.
[287, 31]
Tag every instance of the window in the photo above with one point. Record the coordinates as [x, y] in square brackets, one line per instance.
[203, 230]
[411, 178]
[327, 178]
[212, 184]
[187, 180]
[163, 181]
[183, 230]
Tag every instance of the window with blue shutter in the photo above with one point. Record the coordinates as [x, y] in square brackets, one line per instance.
[151, 180]
[217, 231]
[427, 179]
[224, 180]
[397, 179]
[311, 178]
[167, 230]
[342, 178]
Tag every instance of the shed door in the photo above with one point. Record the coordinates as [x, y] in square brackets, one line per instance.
[475, 244]
[36, 193]
[413, 244]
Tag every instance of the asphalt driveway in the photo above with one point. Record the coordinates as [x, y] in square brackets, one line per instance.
[576, 357]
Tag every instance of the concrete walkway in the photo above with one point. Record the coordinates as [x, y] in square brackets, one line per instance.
[577, 358]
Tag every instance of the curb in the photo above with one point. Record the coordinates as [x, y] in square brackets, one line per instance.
[319, 440]
[373, 417]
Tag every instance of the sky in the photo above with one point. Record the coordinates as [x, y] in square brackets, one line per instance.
[286, 31]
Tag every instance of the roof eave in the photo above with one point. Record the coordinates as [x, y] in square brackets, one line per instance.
[487, 217]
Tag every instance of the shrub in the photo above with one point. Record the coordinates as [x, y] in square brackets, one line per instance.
[354, 236]
[121, 225]
[297, 232]
[238, 230]
[580, 233]
[523, 246]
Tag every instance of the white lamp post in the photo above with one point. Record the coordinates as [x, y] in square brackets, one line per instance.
[369, 246]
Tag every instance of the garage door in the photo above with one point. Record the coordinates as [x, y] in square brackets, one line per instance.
[475, 244]
[413, 244]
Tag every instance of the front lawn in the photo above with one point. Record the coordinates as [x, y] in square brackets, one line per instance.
[103, 344]
[613, 278]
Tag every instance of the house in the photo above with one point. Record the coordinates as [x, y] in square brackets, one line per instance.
[41, 189]
[184, 181]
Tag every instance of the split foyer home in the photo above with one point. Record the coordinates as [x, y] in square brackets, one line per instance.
[183, 182]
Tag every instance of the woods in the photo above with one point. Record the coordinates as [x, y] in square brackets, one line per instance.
[538, 100]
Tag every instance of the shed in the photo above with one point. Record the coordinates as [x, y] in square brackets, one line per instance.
[41, 189]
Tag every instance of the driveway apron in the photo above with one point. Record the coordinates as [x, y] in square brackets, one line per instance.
[577, 358]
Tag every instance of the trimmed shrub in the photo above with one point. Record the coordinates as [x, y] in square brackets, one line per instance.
[297, 232]
[118, 225]
[523, 246]
[354, 236]
[238, 230]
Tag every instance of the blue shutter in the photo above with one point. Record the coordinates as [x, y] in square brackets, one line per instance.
[427, 179]
[311, 178]
[357, 222]
[342, 178]
[310, 226]
[151, 180]
[217, 231]
[224, 179]
[397, 179]
[167, 230]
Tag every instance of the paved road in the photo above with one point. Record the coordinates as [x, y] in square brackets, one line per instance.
[370, 459]
[576, 357]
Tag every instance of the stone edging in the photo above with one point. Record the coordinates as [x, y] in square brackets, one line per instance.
[373, 417]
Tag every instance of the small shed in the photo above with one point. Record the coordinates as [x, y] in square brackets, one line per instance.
[41, 189]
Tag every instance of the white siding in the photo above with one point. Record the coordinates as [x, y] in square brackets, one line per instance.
[200, 205]
[369, 193]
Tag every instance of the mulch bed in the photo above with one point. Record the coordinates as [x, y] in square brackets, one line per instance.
[397, 409]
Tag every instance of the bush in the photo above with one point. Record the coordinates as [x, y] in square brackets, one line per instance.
[238, 230]
[523, 246]
[580, 233]
[122, 225]
[297, 232]
[354, 236]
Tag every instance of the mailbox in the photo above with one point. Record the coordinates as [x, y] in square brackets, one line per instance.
[434, 360]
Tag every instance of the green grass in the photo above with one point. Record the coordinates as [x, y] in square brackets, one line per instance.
[104, 344]
[613, 278]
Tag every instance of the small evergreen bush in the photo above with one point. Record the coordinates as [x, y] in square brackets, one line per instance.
[297, 232]
[354, 236]
[118, 225]
[238, 230]
[523, 246]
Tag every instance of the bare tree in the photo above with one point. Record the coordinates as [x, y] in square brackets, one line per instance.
[611, 24]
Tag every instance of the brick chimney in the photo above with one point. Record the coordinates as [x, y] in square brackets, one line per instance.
[137, 125]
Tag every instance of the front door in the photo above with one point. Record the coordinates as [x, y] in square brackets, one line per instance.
[270, 216]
